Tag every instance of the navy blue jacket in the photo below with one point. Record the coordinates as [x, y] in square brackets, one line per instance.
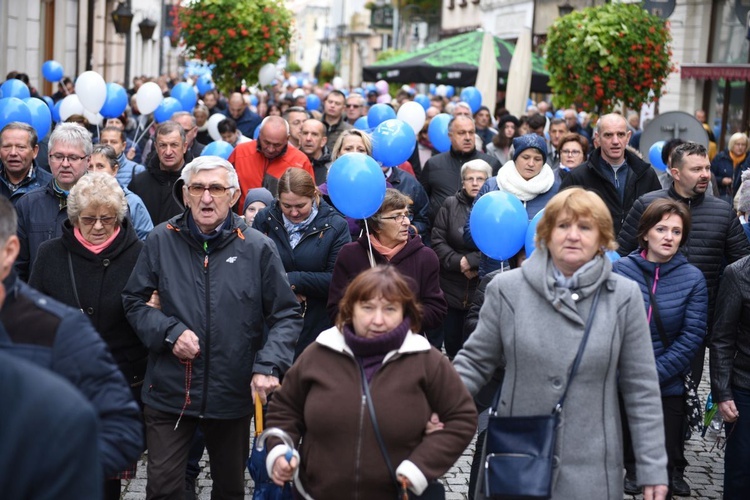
[248, 122]
[38, 178]
[309, 265]
[682, 301]
[721, 167]
[60, 338]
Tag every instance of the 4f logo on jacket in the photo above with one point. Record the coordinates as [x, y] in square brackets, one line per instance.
[232, 260]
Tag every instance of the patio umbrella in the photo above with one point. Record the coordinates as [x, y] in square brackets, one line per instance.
[519, 75]
[453, 61]
[486, 75]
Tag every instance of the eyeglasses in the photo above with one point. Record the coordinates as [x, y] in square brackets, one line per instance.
[91, 221]
[354, 106]
[72, 159]
[570, 152]
[215, 191]
[398, 218]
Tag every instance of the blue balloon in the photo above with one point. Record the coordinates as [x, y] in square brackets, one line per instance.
[498, 223]
[437, 131]
[423, 100]
[393, 142]
[613, 255]
[361, 123]
[530, 243]
[312, 102]
[379, 113]
[433, 89]
[256, 133]
[184, 93]
[560, 113]
[166, 109]
[116, 101]
[56, 111]
[14, 88]
[41, 117]
[450, 91]
[49, 101]
[218, 148]
[356, 185]
[13, 109]
[254, 100]
[204, 84]
[371, 88]
[472, 97]
[359, 91]
[52, 71]
[654, 155]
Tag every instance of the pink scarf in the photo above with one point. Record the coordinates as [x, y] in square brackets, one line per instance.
[95, 249]
[383, 250]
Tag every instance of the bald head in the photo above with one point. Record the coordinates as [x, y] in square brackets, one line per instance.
[236, 105]
[273, 137]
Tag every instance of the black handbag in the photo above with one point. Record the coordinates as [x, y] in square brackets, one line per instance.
[435, 489]
[519, 451]
[691, 401]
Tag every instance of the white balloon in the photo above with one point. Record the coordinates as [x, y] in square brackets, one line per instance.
[292, 81]
[266, 74]
[441, 90]
[92, 90]
[213, 125]
[70, 106]
[412, 113]
[93, 118]
[148, 98]
[338, 82]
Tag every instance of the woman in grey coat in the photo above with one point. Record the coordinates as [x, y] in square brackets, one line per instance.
[534, 317]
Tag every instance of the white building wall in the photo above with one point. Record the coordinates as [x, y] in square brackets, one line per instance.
[464, 14]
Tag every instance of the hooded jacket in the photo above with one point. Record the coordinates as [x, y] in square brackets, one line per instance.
[682, 304]
[417, 263]
[226, 295]
[155, 186]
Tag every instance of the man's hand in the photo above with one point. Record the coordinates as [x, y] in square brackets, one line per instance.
[465, 266]
[130, 153]
[154, 301]
[187, 345]
[263, 385]
[728, 411]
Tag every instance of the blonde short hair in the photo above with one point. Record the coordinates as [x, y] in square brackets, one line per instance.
[96, 189]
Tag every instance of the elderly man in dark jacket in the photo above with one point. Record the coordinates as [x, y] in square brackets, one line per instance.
[615, 174]
[220, 284]
[441, 174]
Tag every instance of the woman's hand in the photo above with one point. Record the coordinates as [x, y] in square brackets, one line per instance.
[433, 424]
[728, 411]
[154, 301]
[658, 492]
[130, 154]
[404, 480]
[726, 181]
[283, 471]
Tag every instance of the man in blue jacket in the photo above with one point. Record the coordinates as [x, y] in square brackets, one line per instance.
[247, 121]
[220, 285]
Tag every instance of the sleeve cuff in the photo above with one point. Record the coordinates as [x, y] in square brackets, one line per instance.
[414, 475]
[276, 452]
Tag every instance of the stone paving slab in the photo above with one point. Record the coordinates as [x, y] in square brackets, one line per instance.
[704, 474]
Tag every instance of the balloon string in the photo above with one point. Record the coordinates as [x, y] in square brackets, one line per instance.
[145, 129]
[64, 87]
[369, 244]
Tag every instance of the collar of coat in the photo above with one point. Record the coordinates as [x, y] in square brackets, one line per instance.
[333, 339]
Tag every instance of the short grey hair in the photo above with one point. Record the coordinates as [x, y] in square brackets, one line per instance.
[33, 139]
[96, 189]
[209, 163]
[8, 219]
[107, 152]
[479, 165]
[71, 134]
[180, 114]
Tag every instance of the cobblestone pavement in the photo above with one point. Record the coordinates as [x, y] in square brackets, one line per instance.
[704, 474]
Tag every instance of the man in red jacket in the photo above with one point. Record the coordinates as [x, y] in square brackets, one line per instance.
[260, 163]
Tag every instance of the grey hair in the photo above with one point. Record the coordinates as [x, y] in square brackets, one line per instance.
[8, 219]
[96, 189]
[108, 152]
[72, 134]
[33, 139]
[166, 128]
[200, 107]
[178, 114]
[479, 165]
[210, 163]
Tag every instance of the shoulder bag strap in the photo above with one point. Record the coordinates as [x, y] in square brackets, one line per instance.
[655, 312]
[73, 282]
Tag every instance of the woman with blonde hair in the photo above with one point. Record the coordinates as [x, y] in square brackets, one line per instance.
[728, 165]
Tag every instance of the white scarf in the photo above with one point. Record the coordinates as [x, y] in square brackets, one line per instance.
[509, 180]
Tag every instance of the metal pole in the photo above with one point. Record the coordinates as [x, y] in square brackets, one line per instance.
[724, 114]
[396, 25]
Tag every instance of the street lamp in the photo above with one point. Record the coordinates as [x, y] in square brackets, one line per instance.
[122, 17]
[147, 27]
[565, 9]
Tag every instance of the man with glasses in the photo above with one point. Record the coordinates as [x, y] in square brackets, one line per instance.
[333, 116]
[260, 163]
[41, 212]
[18, 150]
[207, 343]
[355, 108]
[156, 184]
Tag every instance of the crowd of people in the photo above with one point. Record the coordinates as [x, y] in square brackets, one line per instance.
[171, 289]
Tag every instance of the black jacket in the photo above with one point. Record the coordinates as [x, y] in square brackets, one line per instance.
[730, 341]
[309, 265]
[448, 244]
[320, 165]
[716, 236]
[226, 296]
[641, 180]
[99, 281]
[441, 175]
[410, 186]
[154, 186]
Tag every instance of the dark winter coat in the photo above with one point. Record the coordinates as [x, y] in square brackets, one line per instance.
[417, 263]
[722, 166]
[641, 179]
[309, 265]
[410, 186]
[38, 179]
[155, 186]
[682, 303]
[99, 281]
[716, 236]
[226, 296]
[441, 175]
[448, 244]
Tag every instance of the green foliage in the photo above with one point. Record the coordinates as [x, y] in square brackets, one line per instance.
[607, 54]
[239, 37]
[389, 54]
[327, 72]
[293, 67]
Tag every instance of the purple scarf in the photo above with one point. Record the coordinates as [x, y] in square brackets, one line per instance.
[370, 352]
